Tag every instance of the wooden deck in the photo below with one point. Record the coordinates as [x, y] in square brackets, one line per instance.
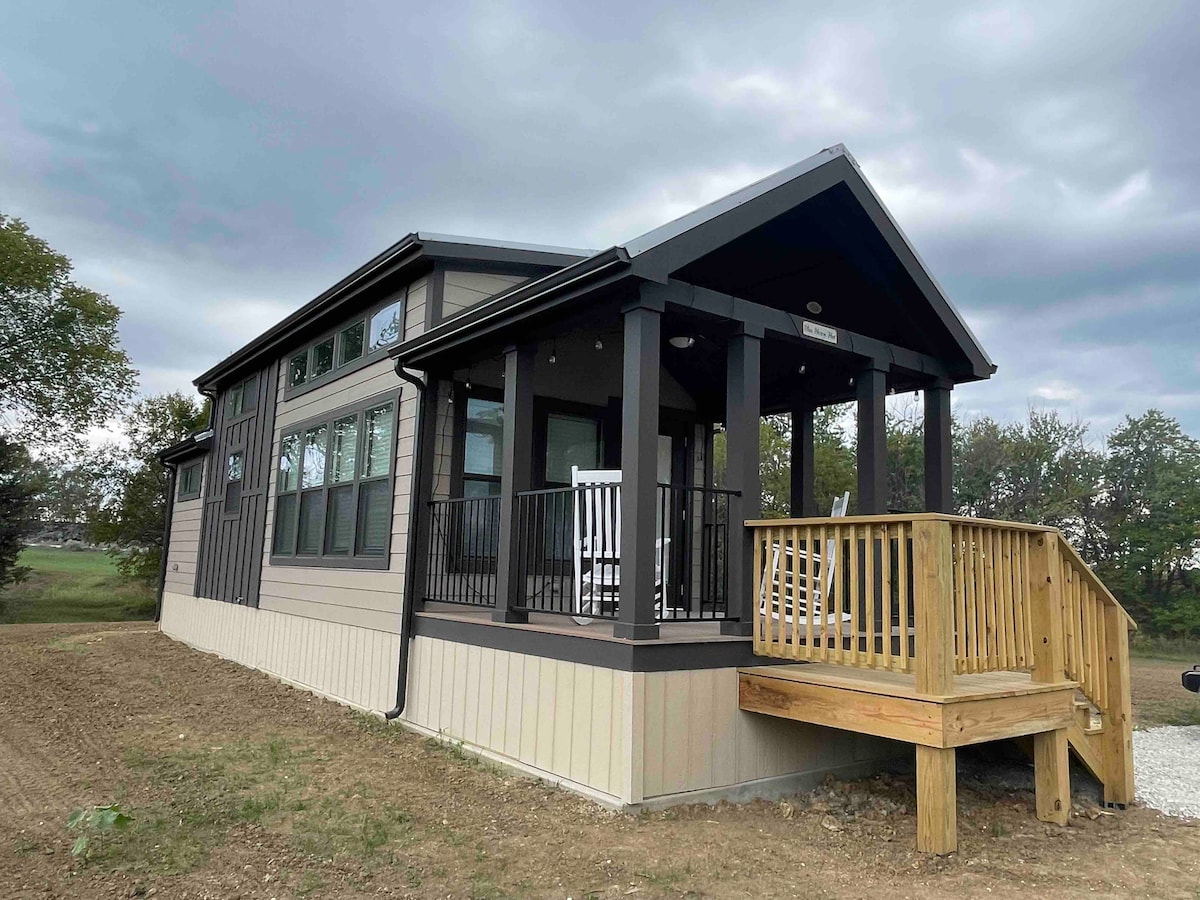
[989, 706]
[943, 632]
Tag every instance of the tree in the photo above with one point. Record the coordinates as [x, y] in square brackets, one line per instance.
[19, 485]
[906, 457]
[1149, 517]
[61, 365]
[133, 521]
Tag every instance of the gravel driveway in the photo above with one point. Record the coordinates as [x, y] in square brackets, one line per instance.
[1166, 763]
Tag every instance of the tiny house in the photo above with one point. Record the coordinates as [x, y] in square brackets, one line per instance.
[473, 486]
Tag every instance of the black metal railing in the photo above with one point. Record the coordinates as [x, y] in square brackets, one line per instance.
[462, 550]
[569, 553]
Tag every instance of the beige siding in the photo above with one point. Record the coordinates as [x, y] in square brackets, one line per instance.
[352, 665]
[353, 597]
[462, 290]
[565, 720]
[184, 546]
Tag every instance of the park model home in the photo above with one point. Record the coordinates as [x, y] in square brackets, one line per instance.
[476, 485]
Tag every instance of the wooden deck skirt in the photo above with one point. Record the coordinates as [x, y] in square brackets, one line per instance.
[986, 707]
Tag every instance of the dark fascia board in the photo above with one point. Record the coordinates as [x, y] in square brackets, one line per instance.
[411, 254]
[513, 305]
[667, 249]
[186, 449]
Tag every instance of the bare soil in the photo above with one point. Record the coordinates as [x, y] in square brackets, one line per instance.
[241, 787]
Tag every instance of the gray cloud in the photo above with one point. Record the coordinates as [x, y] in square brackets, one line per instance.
[212, 168]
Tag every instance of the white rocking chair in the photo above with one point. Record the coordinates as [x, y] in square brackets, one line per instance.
[795, 577]
[597, 543]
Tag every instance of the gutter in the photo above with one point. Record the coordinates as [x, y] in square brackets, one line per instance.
[420, 456]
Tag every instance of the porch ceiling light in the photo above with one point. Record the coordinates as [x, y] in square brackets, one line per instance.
[813, 307]
[682, 341]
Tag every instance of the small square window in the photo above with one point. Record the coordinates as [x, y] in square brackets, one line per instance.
[322, 359]
[351, 346]
[189, 480]
[387, 325]
[298, 369]
[233, 483]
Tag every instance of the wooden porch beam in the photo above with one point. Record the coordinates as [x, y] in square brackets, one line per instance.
[784, 324]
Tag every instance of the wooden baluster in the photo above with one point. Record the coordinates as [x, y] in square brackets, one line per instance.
[1078, 624]
[1102, 654]
[1010, 613]
[989, 608]
[852, 560]
[762, 594]
[960, 598]
[972, 602]
[834, 585]
[886, 615]
[810, 590]
[784, 600]
[902, 564]
[1019, 588]
[869, 592]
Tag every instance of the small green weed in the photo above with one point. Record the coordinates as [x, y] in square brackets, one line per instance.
[94, 824]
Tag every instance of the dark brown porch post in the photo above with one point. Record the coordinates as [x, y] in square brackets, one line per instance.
[743, 410]
[939, 468]
[516, 471]
[871, 388]
[803, 480]
[639, 472]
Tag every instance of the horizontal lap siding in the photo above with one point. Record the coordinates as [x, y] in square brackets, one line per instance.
[354, 597]
[565, 719]
[352, 665]
[184, 546]
[462, 290]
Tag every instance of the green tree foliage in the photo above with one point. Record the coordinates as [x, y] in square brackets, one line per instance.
[20, 482]
[132, 521]
[61, 365]
[1148, 516]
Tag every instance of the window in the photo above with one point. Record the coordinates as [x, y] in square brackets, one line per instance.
[483, 447]
[190, 475]
[233, 482]
[571, 441]
[351, 346]
[333, 502]
[241, 397]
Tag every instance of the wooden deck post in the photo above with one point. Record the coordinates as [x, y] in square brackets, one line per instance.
[1118, 718]
[1045, 599]
[933, 606]
[937, 799]
[1051, 775]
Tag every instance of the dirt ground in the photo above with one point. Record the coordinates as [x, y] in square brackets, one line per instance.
[240, 787]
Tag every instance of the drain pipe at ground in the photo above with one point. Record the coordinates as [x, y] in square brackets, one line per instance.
[414, 504]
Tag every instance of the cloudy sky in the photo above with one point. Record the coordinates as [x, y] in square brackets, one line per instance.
[212, 166]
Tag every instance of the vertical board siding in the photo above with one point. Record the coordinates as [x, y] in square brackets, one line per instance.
[309, 653]
[228, 565]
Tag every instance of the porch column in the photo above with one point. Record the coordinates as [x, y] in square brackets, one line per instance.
[803, 491]
[939, 470]
[743, 409]
[639, 473]
[516, 472]
[871, 388]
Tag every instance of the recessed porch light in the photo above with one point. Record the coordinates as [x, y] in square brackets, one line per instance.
[682, 341]
[813, 307]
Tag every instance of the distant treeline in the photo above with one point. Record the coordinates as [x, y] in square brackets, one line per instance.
[1130, 504]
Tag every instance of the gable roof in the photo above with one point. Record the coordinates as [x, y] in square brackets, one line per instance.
[823, 205]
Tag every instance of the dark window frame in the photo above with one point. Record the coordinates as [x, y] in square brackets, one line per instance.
[196, 465]
[323, 558]
[249, 388]
[366, 358]
[226, 481]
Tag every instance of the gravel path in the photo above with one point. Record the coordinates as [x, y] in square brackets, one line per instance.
[1166, 766]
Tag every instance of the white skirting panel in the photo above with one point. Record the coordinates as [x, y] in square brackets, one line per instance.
[350, 664]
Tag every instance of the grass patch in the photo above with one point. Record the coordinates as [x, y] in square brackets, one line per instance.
[214, 791]
[1158, 647]
[74, 586]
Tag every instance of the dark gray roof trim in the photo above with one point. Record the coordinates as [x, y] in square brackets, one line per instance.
[417, 250]
[194, 445]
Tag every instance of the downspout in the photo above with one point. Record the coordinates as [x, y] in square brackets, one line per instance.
[414, 506]
[172, 469]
